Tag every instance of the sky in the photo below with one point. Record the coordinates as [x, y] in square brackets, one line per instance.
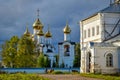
[15, 14]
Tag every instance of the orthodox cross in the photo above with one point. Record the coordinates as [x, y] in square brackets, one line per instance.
[38, 12]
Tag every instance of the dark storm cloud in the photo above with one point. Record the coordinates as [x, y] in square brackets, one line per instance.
[14, 14]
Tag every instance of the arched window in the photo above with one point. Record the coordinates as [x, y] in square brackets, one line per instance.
[109, 60]
[66, 50]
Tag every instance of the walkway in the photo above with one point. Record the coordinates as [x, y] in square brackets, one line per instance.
[66, 77]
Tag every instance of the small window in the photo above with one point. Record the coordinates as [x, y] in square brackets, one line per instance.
[84, 33]
[93, 31]
[88, 32]
[109, 60]
[66, 50]
[98, 30]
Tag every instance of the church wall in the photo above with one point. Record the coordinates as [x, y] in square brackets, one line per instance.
[118, 50]
[100, 59]
[86, 27]
[67, 60]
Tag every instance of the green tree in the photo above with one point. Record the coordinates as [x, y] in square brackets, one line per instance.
[77, 55]
[46, 61]
[9, 52]
[40, 60]
[57, 60]
[62, 65]
[25, 53]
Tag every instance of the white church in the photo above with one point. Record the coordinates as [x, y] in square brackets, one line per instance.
[44, 44]
[43, 40]
[100, 41]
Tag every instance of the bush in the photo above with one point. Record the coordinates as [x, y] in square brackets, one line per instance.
[57, 72]
[20, 76]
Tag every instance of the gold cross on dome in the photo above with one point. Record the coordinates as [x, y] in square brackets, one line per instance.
[38, 12]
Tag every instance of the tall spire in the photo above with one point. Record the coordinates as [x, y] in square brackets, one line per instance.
[48, 33]
[27, 33]
[38, 13]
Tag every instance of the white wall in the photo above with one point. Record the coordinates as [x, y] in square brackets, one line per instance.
[66, 59]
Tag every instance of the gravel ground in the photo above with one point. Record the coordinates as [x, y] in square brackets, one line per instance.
[66, 77]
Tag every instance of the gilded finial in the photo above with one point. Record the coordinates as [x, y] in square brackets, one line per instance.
[27, 27]
[48, 27]
[66, 22]
[67, 29]
[48, 33]
[27, 33]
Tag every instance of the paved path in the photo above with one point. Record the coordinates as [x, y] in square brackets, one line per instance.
[66, 77]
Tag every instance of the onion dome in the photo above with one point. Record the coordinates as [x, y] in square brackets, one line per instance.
[117, 1]
[48, 34]
[32, 35]
[37, 24]
[27, 33]
[40, 32]
[67, 29]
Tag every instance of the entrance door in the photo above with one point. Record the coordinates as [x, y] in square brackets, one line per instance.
[88, 62]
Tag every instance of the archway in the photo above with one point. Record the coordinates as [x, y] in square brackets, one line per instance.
[88, 61]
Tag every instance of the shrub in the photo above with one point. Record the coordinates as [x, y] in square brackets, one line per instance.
[57, 72]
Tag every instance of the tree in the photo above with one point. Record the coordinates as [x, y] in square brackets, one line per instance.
[57, 60]
[62, 65]
[40, 61]
[77, 55]
[46, 61]
[43, 61]
[9, 52]
[25, 53]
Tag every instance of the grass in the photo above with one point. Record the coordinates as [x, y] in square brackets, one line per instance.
[100, 76]
[21, 76]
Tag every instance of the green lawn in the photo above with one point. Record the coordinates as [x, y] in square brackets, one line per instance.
[100, 76]
[20, 76]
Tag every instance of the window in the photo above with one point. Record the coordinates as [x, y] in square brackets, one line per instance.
[88, 32]
[93, 31]
[66, 50]
[109, 60]
[98, 30]
[84, 33]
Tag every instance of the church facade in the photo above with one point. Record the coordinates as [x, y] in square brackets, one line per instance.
[100, 41]
[44, 44]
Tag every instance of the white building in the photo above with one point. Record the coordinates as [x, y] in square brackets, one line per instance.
[66, 49]
[100, 41]
[43, 40]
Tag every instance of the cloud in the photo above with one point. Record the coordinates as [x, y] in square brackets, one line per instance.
[16, 13]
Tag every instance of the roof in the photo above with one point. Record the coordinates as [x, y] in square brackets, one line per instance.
[112, 8]
[60, 43]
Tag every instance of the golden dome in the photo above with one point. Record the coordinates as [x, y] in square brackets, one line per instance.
[32, 35]
[67, 29]
[27, 33]
[37, 24]
[40, 32]
[48, 34]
